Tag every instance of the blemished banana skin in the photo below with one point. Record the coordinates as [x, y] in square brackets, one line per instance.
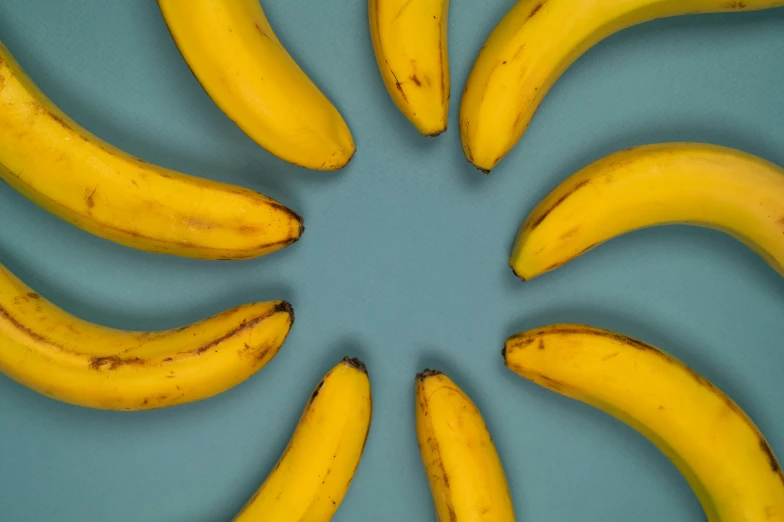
[74, 361]
[243, 66]
[651, 185]
[318, 465]
[466, 477]
[63, 168]
[411, 47]
[713, 443]
[532, 46]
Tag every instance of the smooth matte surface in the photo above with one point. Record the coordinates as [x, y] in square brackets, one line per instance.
[403, 263]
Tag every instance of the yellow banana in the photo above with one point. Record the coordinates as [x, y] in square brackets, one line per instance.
[74, 361]
[410, 43]
[706, 435]
[466, 477]
[316, 469]
[233, 52]
[533, 45]
[68, 171]
[690, 183]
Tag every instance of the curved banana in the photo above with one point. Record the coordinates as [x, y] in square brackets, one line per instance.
[719, 450]
[316, 469]
[466, 477]
[76, 176]
[233, 52]
[689, 183]
[74, 361]
[410, 43]
[533, 45]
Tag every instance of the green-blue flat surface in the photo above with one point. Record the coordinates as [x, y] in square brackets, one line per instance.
[403, 264]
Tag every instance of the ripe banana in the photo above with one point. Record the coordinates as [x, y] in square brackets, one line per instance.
[410, 43]
[533, 45]
[689, 183]
[68, 171]
[706, 435]
[317, 467]
[466, 477]
[74, 361]
[233, 52]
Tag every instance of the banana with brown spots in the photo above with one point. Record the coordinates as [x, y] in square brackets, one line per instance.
[74, 361]
[706, 435]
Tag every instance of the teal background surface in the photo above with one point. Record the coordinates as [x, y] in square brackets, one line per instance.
[403, 263]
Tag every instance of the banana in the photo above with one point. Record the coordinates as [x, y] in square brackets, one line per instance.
[76, 176]
[706, 435]
[467, 480]
[316, 469]
[690, 183]
[533, 45]
[234, 54]
[74, 361]
[410, 43]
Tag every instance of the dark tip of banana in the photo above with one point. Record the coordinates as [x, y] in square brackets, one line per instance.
[424, 374]
[285, 306]
[355, 363]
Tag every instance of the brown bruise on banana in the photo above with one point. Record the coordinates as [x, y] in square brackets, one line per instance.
[538, 220]
[523, 340]
[536, 9]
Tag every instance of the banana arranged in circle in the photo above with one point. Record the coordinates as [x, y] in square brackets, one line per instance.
[410, 43]
[706, 435]
[316, 469]
[81, 363]
[530, 49]
[689, 183]
[76, 176]
[235, 55]
[467, 480]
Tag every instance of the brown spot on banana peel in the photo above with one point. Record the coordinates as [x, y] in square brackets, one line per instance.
[260, 30]
[402, 9]
[315, 392]
[89, 199]
[737, 5]
[114, 362]
[416, 80]
[536, 9]
[535, 223]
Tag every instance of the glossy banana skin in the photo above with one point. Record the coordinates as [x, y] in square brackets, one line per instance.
[688, 183]
[706, 435]
[234, 53]
[411, 48]
[85, 364]
[76, 176]
[467, 480]
[316, 469]
[530, 49]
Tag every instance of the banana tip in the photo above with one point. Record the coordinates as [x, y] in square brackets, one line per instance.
[433, 134]
[424, 374]
[285, 306]
[516, 274]
[355, 363]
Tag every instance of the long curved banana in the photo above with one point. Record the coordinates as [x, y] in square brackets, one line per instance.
[533, 45]
[690, 183]
[467, 480]
[410, 43]
[74, 361]
[317, 467]
[706, 435]
[50, 159]
[234, 53]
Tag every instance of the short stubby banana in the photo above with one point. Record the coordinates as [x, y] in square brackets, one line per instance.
[410, 43]
[669, 183]
[706, 435]
[57, 164]
[530, 49]
[235, 55]
[467, 480]
[74, 361]
[316, 469]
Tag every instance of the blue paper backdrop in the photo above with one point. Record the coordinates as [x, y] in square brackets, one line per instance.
[403, 264]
